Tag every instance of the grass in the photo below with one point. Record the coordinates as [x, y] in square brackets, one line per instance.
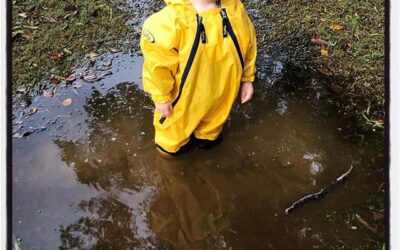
[354, 54]
[49, 36]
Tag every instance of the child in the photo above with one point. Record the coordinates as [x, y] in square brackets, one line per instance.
[197, 55]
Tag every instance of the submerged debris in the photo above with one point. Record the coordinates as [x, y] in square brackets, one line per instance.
[321, 193]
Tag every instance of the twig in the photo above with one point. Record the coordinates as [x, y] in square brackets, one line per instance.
[321, 193]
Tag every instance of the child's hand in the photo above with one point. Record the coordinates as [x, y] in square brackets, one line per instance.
[247, 91]
[164, 108]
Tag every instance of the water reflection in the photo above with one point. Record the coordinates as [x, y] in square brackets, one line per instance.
[219, 199]
[109, 159]
[189, 208]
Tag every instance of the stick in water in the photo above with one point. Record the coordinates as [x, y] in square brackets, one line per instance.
[321, 193]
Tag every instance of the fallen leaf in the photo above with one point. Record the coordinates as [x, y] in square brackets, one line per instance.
[104, 74]
[77, 85]
[30, 27]
[107, 64]
[113, 50]
[90, 78]
[48, 93]
[318, 41]
[26, 36]
[378, 122]
[337, 26]
[56, 56]
[17, 135]
[30, 111]
[23, 15]
[377, 216]
[93, 55]
[325, 71]
[67, 51]
[48, 19]
[365, 224]
[324, 52]
[21, 89]
[67, 102]
[70, 78]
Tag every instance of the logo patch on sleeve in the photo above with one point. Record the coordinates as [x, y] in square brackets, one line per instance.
[148, 36]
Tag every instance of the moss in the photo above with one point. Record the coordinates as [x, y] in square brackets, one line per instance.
[70, 28]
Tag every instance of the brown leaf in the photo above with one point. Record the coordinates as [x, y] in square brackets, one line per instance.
[48, 93]
[113, 50]
[365, 224]
[318, 41]
[337, 26]
[325, 71]
[70, 78]
[48, 19]
[67, 102]
[104, 74]
[23, 15]
[30, 111]
[378, 216]
[21, 89]
[90, 78]
[26, 36]
[378, 122]
[30, 27]
[56, 56]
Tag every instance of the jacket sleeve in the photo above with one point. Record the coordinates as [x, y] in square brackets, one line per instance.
[251, 53]
[159, 42]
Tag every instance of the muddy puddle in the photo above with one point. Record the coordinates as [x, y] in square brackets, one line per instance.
[86, 175]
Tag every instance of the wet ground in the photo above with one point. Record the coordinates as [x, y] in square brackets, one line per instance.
[86, 174]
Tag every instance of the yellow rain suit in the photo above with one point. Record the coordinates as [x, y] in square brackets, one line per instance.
[196, 60]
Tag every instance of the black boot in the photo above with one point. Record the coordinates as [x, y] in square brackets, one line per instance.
[208, 144]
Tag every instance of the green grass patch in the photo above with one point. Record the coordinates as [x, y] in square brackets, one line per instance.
[354, 53]
[49, 36]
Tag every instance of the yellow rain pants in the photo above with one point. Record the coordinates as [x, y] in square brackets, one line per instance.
[196, 60]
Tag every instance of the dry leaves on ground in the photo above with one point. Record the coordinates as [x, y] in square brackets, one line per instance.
[67, 102]
[365, 224]
[318, 41]
[337, 26]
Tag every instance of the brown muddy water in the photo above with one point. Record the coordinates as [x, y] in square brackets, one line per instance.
[86, 176]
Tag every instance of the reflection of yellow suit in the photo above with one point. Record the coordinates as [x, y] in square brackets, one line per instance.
[197, 61]
[188, 209]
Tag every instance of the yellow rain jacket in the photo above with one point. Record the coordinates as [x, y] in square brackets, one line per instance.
[196, 60]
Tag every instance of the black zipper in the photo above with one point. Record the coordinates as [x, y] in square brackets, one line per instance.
[200, 35]
[227, 29]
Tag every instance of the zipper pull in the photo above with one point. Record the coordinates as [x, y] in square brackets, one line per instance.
[224, 23]
[202, 30]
